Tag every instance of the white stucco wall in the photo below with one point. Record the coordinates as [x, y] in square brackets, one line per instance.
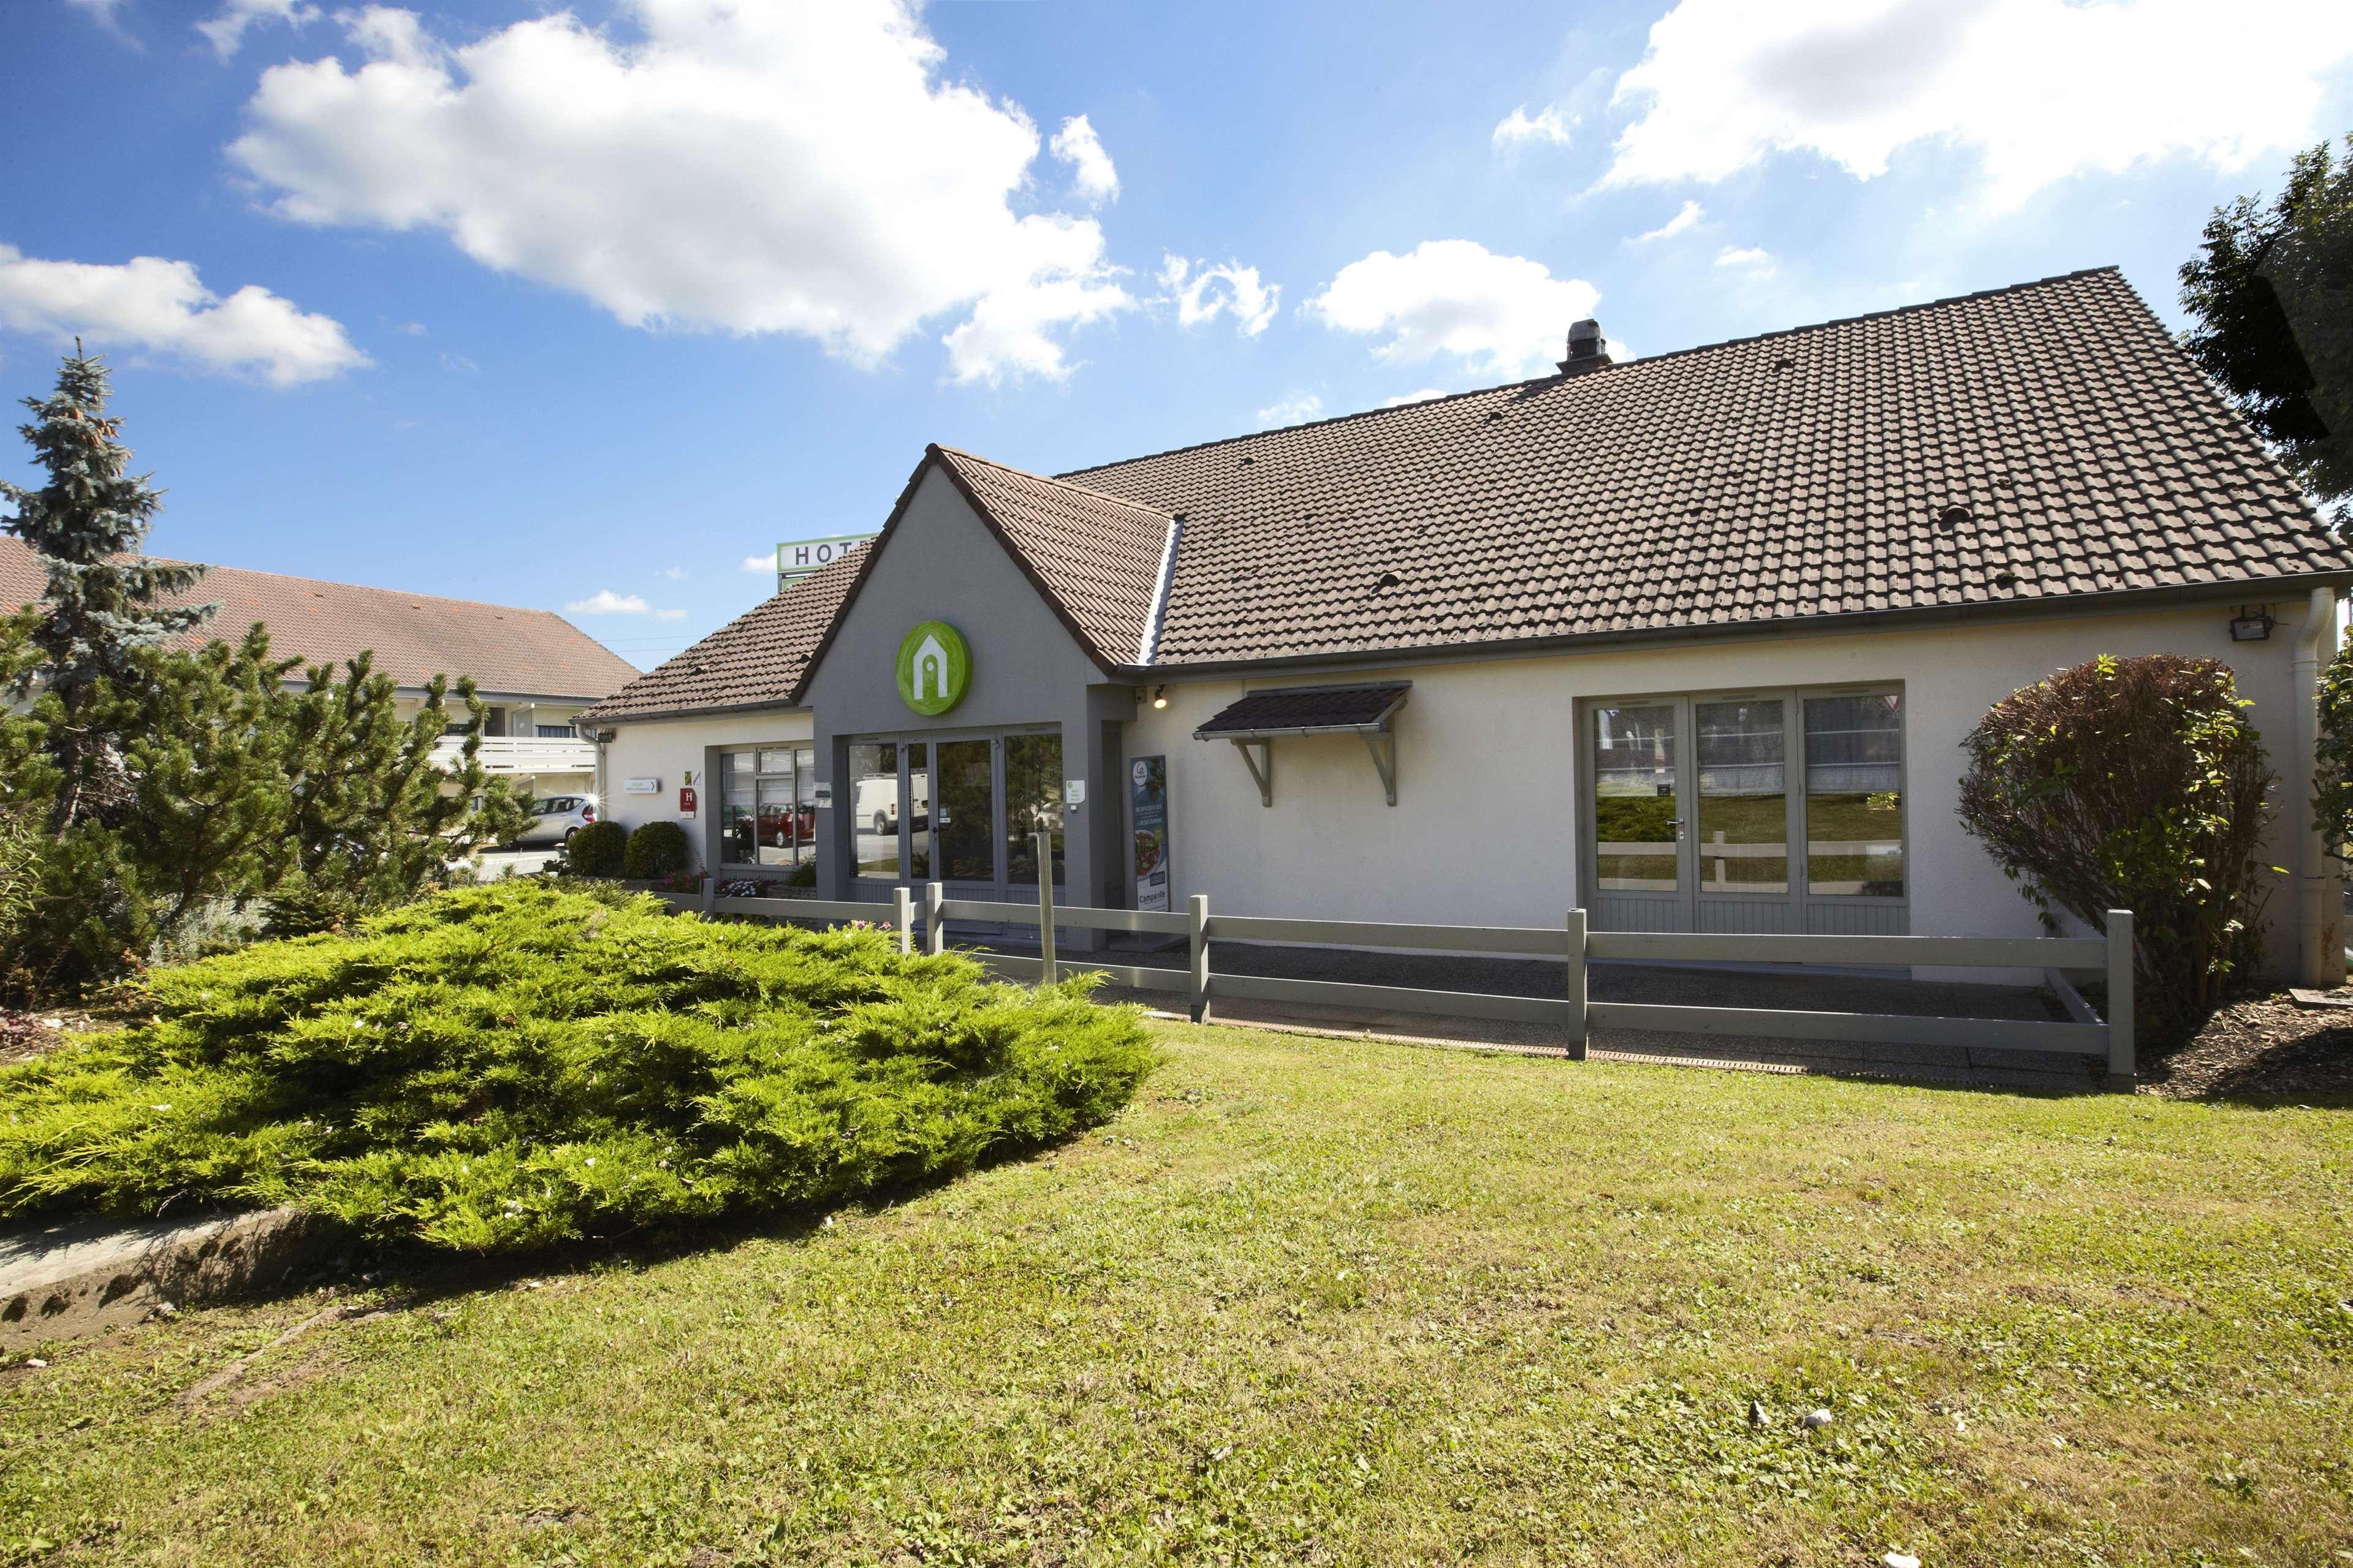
[1484, 830]
[670, 749]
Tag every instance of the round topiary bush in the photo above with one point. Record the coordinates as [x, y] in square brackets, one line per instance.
[595, 850]
[2134, 784]
[656, 849]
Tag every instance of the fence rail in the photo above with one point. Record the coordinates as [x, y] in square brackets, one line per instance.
[1571, 944]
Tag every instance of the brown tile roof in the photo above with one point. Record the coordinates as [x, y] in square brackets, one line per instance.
[756, 660]
[507, 650]
[2039, 442]
[1804, 474]
[1095, 558]
[1302, 707]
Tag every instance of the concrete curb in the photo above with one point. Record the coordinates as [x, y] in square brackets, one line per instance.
[79, 1277]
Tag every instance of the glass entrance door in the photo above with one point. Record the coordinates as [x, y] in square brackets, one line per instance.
[965, 812]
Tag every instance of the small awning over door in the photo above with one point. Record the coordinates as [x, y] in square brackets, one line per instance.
[1252, 724]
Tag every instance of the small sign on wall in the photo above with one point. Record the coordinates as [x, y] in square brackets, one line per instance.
[1074, 793]
[821, 798]
[686, 800]
[641, 787]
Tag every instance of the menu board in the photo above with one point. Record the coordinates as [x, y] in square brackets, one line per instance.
[1148, 797]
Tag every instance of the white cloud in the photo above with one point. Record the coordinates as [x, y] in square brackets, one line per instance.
[1077, 144]
[2041, 90]
[158, 306]
[1517, 128]
[1687, 215]
[1748, 258]
[102, 12]
[675, 574]
[670, 615]
[799, 168]
[1502, 313]
[1294, 408]
[410, 329]
[1424, 395]
[764, 564]
[227, 30]
[605, 602]
[1202, 295]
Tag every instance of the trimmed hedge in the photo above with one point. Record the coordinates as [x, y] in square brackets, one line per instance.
[596, 849]
[516, 1064]
[656, 849]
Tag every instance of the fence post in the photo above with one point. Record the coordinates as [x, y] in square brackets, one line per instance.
[1045, 906]
[2121, 1069]
[935, 929]
[1577, 988]
[906, 916]
[1200, 958]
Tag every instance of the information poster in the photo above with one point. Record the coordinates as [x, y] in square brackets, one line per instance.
[1149, 792]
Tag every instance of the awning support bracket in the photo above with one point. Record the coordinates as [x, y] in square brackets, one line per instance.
[1382, 743]
[1261, 766]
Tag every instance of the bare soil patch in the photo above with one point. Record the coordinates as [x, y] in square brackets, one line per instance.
[2264, 1048]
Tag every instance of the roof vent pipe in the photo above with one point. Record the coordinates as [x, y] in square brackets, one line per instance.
[1588, 349]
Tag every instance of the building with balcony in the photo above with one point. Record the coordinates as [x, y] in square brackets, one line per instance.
[533, 669]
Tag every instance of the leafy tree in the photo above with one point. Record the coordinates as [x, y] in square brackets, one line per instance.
[2272, 292]
[2134, 783]
[102, 606]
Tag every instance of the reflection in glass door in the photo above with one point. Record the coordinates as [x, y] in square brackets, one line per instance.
[1637, 803]
[964, 812]
[1033, 800]
[1744, 795]
[874, 809]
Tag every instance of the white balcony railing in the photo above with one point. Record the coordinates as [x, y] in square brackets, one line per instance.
[522, 754]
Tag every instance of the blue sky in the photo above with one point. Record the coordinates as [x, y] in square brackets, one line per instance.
[584, 308]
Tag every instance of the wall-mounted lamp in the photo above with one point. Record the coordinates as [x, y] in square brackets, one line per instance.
[1160, 696]
[2252, 625]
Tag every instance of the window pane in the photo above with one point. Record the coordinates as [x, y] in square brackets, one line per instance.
[804, 813]
[1854, 805]
[776, 822]
[966, 820]
[777, 761]
[918, 808]
[1635, 806]
[874, 809]
[1033, 795]
[1744, 800]
[738, 839]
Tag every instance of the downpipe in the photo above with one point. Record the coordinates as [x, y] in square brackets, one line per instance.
[2319, 876]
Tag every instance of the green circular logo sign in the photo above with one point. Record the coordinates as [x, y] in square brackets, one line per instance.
[934, 668]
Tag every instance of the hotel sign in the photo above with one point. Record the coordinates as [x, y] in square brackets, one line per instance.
[799, 558]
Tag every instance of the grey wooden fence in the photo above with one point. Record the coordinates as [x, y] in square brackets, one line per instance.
[1571, 1013]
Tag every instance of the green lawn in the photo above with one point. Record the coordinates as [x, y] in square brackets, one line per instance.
[1316, 1302]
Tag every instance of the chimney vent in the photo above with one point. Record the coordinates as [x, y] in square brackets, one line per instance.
[1588, 349]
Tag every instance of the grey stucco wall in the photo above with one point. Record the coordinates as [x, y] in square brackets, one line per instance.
[941, 563]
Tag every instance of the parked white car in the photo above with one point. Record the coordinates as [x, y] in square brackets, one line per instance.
[556, 818]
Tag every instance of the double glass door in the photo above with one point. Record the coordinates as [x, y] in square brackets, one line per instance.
[1694, 804]
[965, 811]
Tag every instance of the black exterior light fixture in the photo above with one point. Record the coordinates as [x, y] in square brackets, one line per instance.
[1160, 696]
[2252, 624]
